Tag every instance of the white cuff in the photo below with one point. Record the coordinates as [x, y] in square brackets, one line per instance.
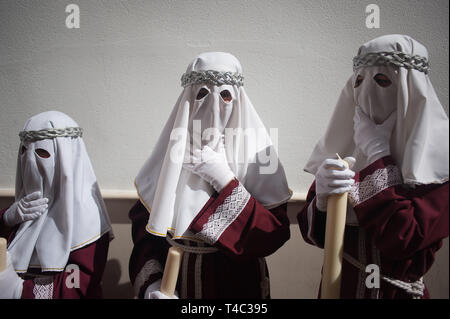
[377, 156]
[321, 202]
[7, 219]
[222, 179]
[153, 291]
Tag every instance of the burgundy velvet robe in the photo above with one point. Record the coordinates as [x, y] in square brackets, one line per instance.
[237, 270]
[400, 229]
[90, 259]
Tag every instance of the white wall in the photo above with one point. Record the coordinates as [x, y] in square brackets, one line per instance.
[118, 75]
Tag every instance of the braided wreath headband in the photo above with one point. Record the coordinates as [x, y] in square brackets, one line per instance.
[396, 58]
[33, 136]
[212, 77]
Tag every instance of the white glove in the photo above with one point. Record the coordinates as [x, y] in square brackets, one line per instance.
[333, 178]
[153, 292]
[28, 208]
[11, 284]
[373, 139]
[211, 166]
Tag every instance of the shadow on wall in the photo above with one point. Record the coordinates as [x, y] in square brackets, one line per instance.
[118, 209]
[112, 288]
[116, 280]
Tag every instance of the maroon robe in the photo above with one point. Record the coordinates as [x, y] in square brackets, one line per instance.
[400, 229]
[237, 225]
[90, 259]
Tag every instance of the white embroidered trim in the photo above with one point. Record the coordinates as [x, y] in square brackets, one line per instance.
[224, 215]
[43, 288]
[375, 183]
[151, 267]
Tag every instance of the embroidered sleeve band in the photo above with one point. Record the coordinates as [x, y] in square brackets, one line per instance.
[151, 267]
[224, 215]
[375, 183]
[43, 288]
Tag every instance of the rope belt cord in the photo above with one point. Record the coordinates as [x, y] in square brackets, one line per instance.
[395, 58]
[27, 275]
[192, 249]
[50, 133]
[265, 283]
[212, 77]
[199, 251]
[415, 289]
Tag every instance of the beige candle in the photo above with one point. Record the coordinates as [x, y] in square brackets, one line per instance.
[2, 254]
[334, 245]
[170, 276]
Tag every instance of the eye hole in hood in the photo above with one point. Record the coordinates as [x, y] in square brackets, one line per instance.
[226, 96]
[202, 93]
[358, 81]
[42, 153]
[382, 80]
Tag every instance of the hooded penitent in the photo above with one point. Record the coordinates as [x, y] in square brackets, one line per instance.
[212, 105]
[52, 159]
[419, 142]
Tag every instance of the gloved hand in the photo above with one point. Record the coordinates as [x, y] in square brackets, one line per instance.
[11, 284]
[373, 139]
[30, 207]
[212, 166]
[153, 292]
[333, 178]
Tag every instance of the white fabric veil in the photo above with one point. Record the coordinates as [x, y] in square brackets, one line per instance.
[76, 215]
[173, 195]
[419, 142]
